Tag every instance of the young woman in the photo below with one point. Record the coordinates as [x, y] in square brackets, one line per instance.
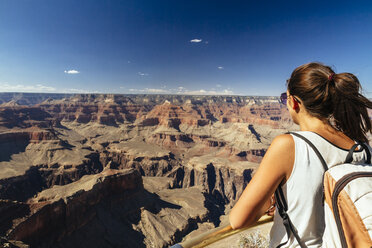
[332, 114]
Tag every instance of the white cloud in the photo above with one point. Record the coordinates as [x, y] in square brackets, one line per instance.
[150, 91]
[158, 91]
[142, 74]
[73, 90]
[181, 91]
[220, 68]
[206, 92]
[81, 91]
[72, 72]
[196, 40]
[6, 87]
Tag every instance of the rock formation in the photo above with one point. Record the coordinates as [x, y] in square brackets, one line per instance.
[126, 170]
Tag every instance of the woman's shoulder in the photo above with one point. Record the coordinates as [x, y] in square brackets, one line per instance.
[280, 156]
[283, 141]
[327, 141]
[283, 146]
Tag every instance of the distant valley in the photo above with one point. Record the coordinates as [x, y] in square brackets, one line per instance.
[126, 170]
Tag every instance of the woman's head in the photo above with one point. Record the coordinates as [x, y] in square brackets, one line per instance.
[332, 97]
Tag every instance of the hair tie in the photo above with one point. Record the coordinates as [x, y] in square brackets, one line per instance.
[330, 78]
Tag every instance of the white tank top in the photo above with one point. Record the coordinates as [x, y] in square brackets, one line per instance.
[303, 191]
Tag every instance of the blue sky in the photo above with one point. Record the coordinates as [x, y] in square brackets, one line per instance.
[177, 46]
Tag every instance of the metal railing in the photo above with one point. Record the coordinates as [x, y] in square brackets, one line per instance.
[218, 233]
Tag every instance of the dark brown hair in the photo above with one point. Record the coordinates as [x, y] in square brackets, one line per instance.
[332, 97]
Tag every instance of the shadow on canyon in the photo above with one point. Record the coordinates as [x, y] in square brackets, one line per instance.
[7, 149]
[109, 223]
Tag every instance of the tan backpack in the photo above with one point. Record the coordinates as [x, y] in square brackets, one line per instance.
[347, 191]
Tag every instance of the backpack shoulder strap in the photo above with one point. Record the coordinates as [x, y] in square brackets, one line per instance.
[349, 157]
[325, 166]
[282, 204]
[282, 210]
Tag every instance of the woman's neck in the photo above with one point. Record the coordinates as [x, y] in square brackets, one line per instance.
[311, 123]
[323, 128]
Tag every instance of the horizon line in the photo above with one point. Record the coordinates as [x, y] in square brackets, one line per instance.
[154, 94]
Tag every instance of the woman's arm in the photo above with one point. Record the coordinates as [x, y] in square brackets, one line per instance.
[276, 165]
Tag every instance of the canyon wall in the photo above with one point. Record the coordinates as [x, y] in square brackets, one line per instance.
[126, 170]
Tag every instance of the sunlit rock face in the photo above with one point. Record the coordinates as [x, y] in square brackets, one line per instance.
[126, 170]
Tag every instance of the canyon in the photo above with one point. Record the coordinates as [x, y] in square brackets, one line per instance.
[106, 170]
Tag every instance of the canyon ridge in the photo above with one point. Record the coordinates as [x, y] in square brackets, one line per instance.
[105, 170]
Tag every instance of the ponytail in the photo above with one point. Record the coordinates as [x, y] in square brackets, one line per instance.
[335, 98]
[350, 107]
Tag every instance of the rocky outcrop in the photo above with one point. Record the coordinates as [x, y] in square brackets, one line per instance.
[219, 181]
[14, 142]
[178, 212]
[10, 210]
[61, 210]
[113, 208]
[67, 165]
[103, 109]
[175, 110]
[25, 117]
[22, 187]
[4, 242]
[29, 166]
[29, 99]
[146, 165]
[27, 136]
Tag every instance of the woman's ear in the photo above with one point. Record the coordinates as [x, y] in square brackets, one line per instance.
[295, 104]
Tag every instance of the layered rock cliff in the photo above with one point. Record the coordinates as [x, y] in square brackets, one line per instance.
[127, 171]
